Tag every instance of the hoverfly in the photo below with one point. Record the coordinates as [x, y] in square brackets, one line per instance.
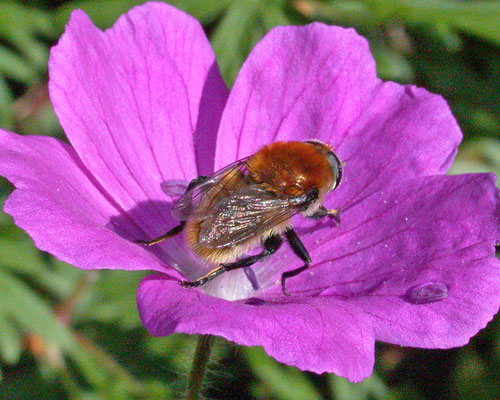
[251, 202]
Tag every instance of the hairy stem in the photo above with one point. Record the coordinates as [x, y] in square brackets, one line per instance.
[200, 361]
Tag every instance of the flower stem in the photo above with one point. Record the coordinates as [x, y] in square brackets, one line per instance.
[200, 361]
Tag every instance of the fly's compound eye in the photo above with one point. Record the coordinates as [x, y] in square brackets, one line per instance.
[336, 167]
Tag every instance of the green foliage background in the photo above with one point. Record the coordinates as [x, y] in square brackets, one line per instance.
[71, 334]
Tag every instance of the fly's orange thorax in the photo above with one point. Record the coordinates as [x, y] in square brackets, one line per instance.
[291, 168]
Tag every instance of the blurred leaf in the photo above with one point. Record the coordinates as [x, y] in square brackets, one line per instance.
[23, 55]
[469, 79]
[485, 26]
[342, 12]
[20, 25]
[243, 25]
[20, 256]
[15, 67]
[478, 156]
[10, 340]
[230, 39]
[281, 381]
[371, 388]
[178, 348]
[391, 64]
[105, 16]
[113, 299]
[43, 120]
[32, 314]
[472, 381]
[50, 339]
[205, 11]
[407, 392]
[480, 18]
[27, 383]
[102, 16]
[6, 117]
[273, 14]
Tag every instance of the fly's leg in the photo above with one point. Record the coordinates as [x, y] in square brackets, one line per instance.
[324, 212]
[299, 249]
[179, 228]
[271, 245]
[172, 232]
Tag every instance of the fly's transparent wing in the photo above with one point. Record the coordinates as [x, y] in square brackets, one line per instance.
[199, 200]
[174, 187]
[247, 213]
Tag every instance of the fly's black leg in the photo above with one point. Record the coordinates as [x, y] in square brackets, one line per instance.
[271, 245]
[299, 249]
[323, 212]
[172, 232]
[204, 279]
[179, 228]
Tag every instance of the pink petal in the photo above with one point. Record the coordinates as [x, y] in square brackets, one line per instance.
[320, 82]
[403, 133]
[135, 102]
[62, 207]
[297, 83]
[438, 230]
[315, 334]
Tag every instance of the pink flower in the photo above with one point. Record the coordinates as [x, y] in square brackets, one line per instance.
[412, 263]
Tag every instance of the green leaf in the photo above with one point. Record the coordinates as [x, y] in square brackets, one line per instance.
[43, 122]
[284, 382]
[33, 314]
[15, 67]
[19, 255]
[391, 65]
[102, 14]
[105, 14]
[471, 379]
[480, 18]
[481, 155]
[232, 38]
[273, 14]
[371, 388]
[205, 11]
[10, 340]
[23, 56]
[112, 299]
[6, 114]
[485, 26]
[20, 25]
[343, 12]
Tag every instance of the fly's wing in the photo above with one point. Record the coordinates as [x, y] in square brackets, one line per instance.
[174, 187]
[246, 213]
[199, 200]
